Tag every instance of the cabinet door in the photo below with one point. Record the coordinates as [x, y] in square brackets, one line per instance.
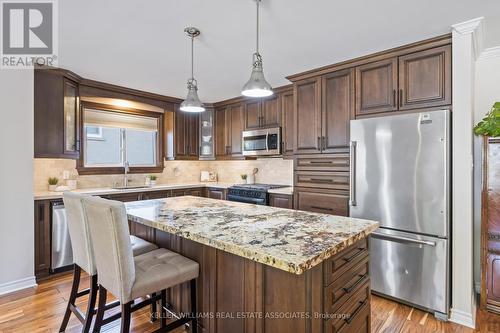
[337, 110]
[42, 238]
[219, 194]
[287, 122]
[271, 112]
[281, 201]
[193, 138]
[493, 279]
[425, 78]
[236, 129]
[253, 115]
[376, 87]
[322, 201]
[221, 137]
[180, 135]
[207, 135]
[307, 115]
[71, 114]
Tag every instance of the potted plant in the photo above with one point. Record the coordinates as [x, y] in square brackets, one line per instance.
[244, 178]
[152, 180]
[53, 181]
[490, 125]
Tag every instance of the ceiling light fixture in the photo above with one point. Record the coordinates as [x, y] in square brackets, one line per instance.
[257, 86]
[192, 102]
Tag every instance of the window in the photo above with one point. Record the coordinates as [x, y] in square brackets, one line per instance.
[113, 138]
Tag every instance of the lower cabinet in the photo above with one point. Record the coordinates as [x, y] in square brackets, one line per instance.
[322, 201]
[216, 193]
[42, 238]
[281, 200]
[196, 192]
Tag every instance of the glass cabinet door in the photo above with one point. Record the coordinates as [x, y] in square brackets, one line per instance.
[207, 135]
[71, 144]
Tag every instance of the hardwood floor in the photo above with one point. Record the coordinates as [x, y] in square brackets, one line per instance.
[41, 309]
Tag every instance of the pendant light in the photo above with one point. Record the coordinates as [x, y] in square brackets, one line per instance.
[257, 86]
[192, 102]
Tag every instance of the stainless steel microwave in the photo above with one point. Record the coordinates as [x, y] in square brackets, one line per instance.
[262, 142]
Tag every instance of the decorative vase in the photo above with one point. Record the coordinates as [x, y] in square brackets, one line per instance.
[52, 188]
[152, 182]
[250, 179]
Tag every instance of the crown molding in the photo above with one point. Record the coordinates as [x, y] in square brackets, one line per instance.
[475, 27]
[492, 52]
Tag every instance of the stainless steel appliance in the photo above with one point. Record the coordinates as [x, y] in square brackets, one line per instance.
[262, 142]
[400, 176]
[254, 193]
[62, 253]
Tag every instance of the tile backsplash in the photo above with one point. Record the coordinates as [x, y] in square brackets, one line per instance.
[272, 171]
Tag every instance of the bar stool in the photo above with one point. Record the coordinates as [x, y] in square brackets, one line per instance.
[84, 260]
[128, 278]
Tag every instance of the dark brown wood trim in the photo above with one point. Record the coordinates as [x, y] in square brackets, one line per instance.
[394, 52]
[243, 99]
[82, 170]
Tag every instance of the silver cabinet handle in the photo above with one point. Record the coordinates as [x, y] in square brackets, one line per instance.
[402, 239]
[267, 141]
[352, 173]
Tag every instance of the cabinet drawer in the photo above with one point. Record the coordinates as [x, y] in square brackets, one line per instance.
[342, 263]
[338, 292]
[353, 316]
[318, 179]
[322, 201]
[334, 162]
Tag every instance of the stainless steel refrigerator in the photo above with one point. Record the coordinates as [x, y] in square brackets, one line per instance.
[400, 176]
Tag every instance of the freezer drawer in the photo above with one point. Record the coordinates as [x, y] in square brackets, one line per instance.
[410, 268]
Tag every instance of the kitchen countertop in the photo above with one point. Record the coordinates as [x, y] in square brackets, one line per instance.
[283, 190]
[290, 240]
[47, 195]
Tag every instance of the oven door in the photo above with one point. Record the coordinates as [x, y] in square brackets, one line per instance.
[262, 142]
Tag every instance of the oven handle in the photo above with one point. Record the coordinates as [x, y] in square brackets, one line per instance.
[237, 198]
[267, 141]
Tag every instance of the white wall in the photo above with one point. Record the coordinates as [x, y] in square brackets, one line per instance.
[16, 179]
[487, 92]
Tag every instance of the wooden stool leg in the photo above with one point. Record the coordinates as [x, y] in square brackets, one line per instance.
[91, 304]
[126, 311]
[194, 316]
[100, 309]
[163, 312]
[72, 297]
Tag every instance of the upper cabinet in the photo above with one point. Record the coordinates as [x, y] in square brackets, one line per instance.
[207, 135]
[186, 138]
[56, 115]
[425, 78]
[307, 114]
[229, 125]
[412, 81]
[376, 87]
[287, 122]
[263, 113]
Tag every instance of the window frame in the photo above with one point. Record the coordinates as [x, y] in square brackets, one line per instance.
[96, 170]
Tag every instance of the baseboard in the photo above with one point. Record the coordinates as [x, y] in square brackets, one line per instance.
[10, 287]
[462, 318]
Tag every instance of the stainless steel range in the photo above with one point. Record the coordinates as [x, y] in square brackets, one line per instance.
[254, 193]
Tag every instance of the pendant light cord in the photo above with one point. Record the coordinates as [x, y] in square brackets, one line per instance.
[192, 58]
[257, 44]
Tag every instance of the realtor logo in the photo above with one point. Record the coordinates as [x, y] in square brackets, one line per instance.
[28, 33]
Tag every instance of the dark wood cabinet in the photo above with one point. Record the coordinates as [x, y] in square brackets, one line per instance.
[229, 125]
[263, 113]
[236, 130]
[253, 114]
[307, 115]
[281, 200]
[425, 78]
[324, 201]
[287, 122]
[221, 133]
[186, 135]
[337, 110]
[490, 227]
[377, 87]
[216, 193]
[56, 115]
[42, 238]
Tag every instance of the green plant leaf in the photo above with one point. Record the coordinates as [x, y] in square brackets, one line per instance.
[490, 125]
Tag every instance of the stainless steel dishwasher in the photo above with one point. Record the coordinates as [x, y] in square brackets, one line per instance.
[62, 253]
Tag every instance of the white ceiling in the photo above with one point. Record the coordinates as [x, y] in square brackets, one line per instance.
[141, 44]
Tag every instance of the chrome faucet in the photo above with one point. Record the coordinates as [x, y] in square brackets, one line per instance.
[126, 167]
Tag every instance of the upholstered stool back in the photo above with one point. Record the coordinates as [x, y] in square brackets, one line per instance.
[79, 232]
[110, 235]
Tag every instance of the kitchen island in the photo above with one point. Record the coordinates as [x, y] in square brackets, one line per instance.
[264, 269]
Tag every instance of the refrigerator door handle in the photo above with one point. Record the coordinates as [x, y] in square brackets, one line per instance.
[402, 239]
[352, 173]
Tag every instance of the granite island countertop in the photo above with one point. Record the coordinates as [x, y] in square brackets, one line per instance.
[291, 240]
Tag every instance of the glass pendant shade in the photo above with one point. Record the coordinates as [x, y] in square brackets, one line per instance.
[192, 102]
[257, 86]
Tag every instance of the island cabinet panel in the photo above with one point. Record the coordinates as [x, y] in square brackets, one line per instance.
[425, 78]
[376, 87]
[236, 294]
